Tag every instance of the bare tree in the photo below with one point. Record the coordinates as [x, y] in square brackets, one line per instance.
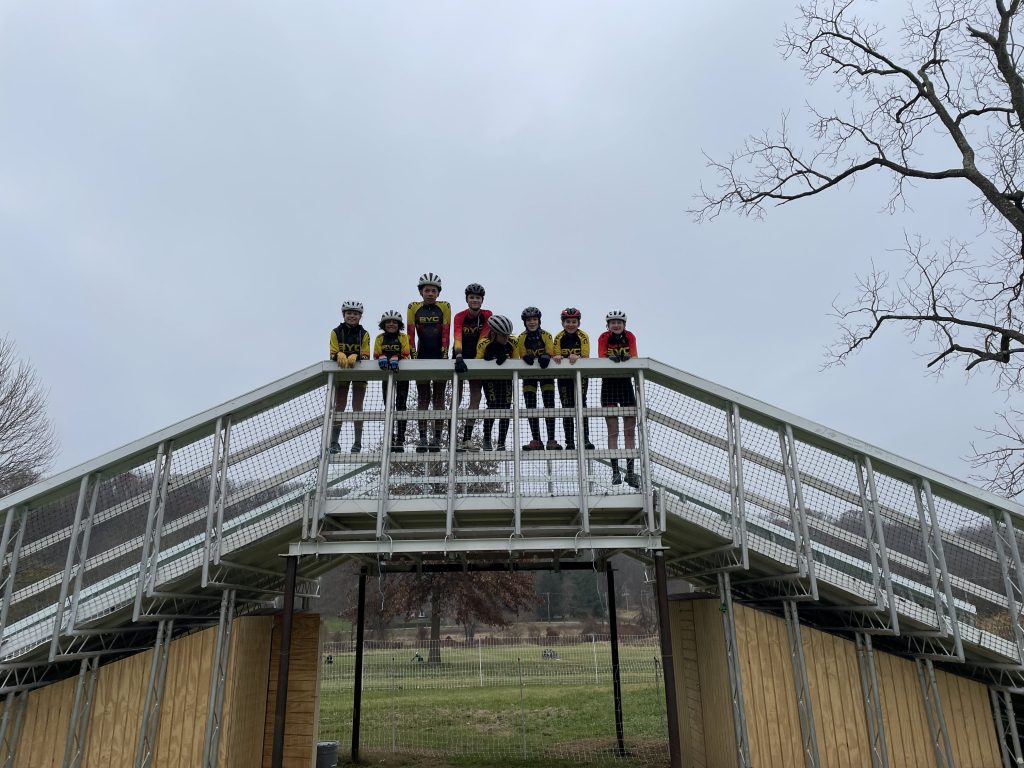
[27, 439]
[940, 99]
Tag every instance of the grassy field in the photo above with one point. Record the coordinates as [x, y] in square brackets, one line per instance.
[529, 711]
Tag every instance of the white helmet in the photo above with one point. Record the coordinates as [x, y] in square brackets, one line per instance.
[352, 306]
[391, 314]
[500, 324]
[615, 314]
[429, 278]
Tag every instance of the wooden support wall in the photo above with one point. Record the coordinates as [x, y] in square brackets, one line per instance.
[303, 693]
[773, 723]
[119, 696]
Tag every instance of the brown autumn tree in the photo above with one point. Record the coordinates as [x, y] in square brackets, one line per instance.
[935, 99]
[466, 598]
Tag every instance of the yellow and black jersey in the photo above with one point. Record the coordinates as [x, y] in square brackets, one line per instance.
[535, 343]
[350, 340]
[391, 345]
[572, 344]
[488, 349]
[429, 327]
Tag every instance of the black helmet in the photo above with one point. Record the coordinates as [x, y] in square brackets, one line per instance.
[530, 312]
[500, 324]
[391, 314]
[476, 289]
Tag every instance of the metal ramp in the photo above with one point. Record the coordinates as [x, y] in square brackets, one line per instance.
[741, 497]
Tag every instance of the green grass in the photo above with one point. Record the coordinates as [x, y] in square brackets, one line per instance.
[440, 715]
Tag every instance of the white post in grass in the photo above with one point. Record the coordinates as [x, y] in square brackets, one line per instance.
[480, 654]
[593, 647]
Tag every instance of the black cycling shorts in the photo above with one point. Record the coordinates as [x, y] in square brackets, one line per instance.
[617, 392]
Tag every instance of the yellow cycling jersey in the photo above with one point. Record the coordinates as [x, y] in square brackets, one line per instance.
[391, 345]
[350, 340]
[535, 343]
[572, 344]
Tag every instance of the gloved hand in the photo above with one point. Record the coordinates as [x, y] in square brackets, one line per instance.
[382, 361]
[623, 356]
[613, 355]
[500, 357]
[352, 360]
[342, 360]
[460, 365]
[393, 363]
[528, 358]
[544, 360]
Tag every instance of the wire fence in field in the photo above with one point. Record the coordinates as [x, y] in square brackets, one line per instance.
[534, 700]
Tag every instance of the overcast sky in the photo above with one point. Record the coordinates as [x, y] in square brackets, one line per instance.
[189, 190]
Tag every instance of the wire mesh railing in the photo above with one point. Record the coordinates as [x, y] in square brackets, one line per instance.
[499, 698]
[742, 486]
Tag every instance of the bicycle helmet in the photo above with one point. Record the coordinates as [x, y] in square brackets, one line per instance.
[530, 312]
[615, 314]
[352, 306]
[500, 324]
[391, 314]
[429, 278]
[476, 289]
[570, 312]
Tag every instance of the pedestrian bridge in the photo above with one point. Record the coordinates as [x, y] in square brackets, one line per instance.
[186, 527]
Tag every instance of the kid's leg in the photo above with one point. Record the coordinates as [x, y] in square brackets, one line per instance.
[474, 404]
[547, 392]
[438, 402]
[489, 391]
[358, 393]
[423, 389]
[567, 398]
[506, 402]
[530, 399]
[401, 404]
[340, 401]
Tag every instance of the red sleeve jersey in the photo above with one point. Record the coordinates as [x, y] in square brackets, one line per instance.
[469, 330]
[624, 342]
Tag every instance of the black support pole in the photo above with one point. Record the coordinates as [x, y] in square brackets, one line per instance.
[357, 688]
[613, 628]
[667, 666]
[283, 661]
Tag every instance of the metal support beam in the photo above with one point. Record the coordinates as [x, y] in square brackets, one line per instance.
[154, 525]
[10, 727]
[646, 488]
[938, 573]
[357, 683]
[10, 550]
[802, 544]
[737, 494]
[78, 724]
[453, 443]
[145, 748]
[739, 716]
[1006, 727]
[1008, 554]
[675, 744]
[284, 662]
[385, 459]
[804, 705]
[218, 680]
[581, 456]
[317, 512]
[613, 628]
[936, 717]
[872, 701]
[218, 490]
[874, 535]
[517, 470]
[78, 547]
